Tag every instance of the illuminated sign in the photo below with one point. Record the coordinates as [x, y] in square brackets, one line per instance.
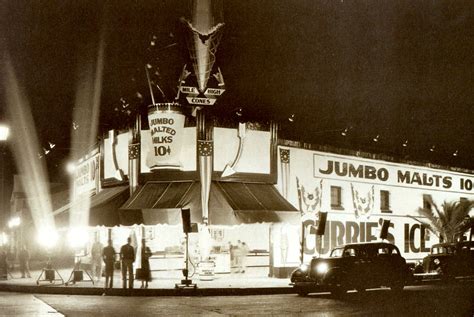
[411, 237]
[370, 171]
[189, 90]
[86, 175]
[201, 101]
[214, 92]
[167, 132]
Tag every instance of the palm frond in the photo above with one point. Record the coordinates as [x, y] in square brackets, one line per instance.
[449, 222]
[461, 210]
[433, 220]
[429, 225]
[441, 216]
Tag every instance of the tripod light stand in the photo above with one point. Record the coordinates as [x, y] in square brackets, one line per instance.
[49, 272]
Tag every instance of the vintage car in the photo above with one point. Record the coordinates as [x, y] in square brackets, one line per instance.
[353, 266]
[450, 260]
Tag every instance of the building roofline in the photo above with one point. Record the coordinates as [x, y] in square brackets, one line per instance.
[368, 155]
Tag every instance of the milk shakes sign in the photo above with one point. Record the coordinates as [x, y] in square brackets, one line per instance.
[166, 123]
[86, 175]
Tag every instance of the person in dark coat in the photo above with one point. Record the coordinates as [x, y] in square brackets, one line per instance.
[108, 255]
[127, 255]
[10, 260]
[24, 259]
[3, 265]
[146, 272]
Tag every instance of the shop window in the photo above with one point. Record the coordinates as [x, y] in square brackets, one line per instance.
[385, 201]
[336, 197]
[427, 201]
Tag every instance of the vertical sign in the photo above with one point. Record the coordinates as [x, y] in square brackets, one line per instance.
[86, 176]
[166, 123]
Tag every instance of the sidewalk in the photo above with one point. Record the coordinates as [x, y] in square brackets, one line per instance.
[253, 282]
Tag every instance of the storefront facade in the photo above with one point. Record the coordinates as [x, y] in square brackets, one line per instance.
[171, 166]
[359, 193]
[243, 184]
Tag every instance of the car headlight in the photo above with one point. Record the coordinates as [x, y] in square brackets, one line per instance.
[322, 268]
[303, 267]
[436, 261]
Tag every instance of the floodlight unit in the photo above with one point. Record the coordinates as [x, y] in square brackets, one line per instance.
[187, 228]
[49, 273]
[77, 273]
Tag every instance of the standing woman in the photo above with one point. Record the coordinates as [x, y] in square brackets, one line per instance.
[146, 273]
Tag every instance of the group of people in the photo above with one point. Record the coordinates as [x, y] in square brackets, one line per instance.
[7, 260]
[238, 257]
[107, 255]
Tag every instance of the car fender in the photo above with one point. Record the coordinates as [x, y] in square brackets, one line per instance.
[334, 276]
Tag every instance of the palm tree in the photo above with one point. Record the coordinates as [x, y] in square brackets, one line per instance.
[450, 222]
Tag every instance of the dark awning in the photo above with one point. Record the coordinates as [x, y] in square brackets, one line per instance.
[250, 196]
[229, 204]
[158, 195]
[104, 208]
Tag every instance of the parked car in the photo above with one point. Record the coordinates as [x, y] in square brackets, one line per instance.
[450, 260]
[353, 266]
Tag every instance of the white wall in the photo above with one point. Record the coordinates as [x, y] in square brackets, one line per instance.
[405, 196]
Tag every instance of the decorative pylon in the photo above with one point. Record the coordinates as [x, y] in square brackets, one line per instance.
[203, 38]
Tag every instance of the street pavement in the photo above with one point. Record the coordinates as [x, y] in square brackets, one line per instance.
[427, 300]
[18, 304]
[253, 281]
[247, 294]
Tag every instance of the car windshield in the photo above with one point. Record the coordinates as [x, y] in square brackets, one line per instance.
[336, 253]
[442, 250]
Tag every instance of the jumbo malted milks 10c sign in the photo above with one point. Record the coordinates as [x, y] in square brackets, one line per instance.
[166, 123]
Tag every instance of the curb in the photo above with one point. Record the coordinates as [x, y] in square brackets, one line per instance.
[61, 290]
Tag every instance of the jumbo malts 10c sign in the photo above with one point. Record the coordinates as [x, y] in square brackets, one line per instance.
[391, 174]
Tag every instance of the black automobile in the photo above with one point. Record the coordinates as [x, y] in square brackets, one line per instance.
[450, 260]
[353, 266]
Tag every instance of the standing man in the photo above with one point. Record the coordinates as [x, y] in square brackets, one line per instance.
[244, 251]
[238, 256]
[108, 255]
[24, 258]
[96, 259]
[127, 255]
[3, 264]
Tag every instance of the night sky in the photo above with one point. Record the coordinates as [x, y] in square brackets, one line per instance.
[402, 70]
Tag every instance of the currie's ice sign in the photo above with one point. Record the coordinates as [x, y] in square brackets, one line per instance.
[166, 123]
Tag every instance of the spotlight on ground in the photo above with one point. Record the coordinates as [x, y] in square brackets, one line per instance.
[48, 238]
[78, 237]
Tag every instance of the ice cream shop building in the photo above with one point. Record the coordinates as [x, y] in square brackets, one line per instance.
[242, 183]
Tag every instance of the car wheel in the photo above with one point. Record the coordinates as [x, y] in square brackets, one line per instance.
[301, 291]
